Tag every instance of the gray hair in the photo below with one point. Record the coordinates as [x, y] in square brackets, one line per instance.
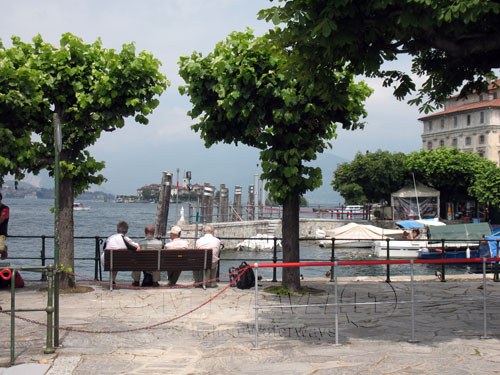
[208, 229]
[122, 227]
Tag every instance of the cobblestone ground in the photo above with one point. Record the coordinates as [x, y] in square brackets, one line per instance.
[374, 325]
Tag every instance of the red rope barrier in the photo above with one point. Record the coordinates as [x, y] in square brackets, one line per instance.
[372, 262]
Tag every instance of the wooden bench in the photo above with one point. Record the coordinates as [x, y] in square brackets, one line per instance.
[157, 260]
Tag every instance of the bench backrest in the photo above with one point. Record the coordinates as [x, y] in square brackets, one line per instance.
[161, 260]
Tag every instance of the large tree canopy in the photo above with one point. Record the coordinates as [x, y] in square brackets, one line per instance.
[371, 177]
[374, 176]
[91, 89]
[246, 92]
[449, 41]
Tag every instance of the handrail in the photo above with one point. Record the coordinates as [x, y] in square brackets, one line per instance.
[50, 309]
[99, 241]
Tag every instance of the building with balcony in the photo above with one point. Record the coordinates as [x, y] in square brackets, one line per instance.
[470, 124]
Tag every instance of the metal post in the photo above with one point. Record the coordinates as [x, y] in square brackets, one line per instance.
[97, 258]
[44, 276]
[50, 309]
[177, 199]
[388, 270]
[443, 268]
[495, 277]
[12, 315]
[256, 265]
[412, 304]
[57, 150]
[336, 307]
[485, 334]
[332, 268]
[275, 259]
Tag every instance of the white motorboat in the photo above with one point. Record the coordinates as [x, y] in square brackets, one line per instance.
[355, 235]
[406, 248]
[260, 242]
[77, 206]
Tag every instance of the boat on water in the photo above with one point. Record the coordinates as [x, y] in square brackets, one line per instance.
[407, 247]
[260, 242]
[78, 206]
[355, 235]
[461, 241]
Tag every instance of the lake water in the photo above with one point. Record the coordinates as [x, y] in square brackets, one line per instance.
[32, 217]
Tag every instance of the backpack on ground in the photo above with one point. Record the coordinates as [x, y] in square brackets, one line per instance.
[247, 279]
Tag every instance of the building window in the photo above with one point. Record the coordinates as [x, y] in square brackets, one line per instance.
[480, 98]
[441, 143]
[468, 141]
[480, 154]
[430, 125]
[495, 96]
[454, 142]
[455, 121]
[468, 120]
[429, 145]
[481, 139]
[442, 123]
[481, 117]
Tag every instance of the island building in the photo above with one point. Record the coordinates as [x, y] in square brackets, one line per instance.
[471, 124]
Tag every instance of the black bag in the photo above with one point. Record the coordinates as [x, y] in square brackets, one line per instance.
[148, 279]
[247, 279]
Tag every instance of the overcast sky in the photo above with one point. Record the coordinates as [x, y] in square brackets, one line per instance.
[137, 154]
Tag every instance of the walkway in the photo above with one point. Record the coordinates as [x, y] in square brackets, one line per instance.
[219, 337]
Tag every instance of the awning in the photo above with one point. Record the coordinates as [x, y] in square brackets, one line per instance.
[460, 232]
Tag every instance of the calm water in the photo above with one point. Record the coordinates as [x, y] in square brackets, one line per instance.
[32, 217]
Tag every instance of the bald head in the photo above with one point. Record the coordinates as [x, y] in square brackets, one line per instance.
[149, 230]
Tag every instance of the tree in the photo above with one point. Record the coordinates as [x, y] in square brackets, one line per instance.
[456, 174]
[246, 92]
[449, 41]
[371, 177]
[374, 176]
[91, 89]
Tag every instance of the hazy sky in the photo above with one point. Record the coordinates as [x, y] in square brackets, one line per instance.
[137, 154]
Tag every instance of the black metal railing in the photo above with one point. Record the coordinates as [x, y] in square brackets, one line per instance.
[98, 242]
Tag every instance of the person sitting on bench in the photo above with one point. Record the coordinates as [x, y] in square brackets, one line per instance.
[120, 241]
[176, 242]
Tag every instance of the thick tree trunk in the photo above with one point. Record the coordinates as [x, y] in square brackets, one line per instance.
[66, 232]
[290, 230]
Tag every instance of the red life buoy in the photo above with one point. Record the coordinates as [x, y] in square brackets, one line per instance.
[8, 276]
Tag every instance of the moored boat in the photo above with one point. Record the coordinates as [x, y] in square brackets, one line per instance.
[77, 206]
[355, 235]
[260, 242]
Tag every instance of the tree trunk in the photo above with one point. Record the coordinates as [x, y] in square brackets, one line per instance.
[290, 230]
[66, 233]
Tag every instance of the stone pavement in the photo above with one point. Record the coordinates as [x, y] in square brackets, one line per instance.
[218, 338]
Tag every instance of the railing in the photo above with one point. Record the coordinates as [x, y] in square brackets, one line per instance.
[338, 304]
[98, 242]
[268, 212]
[48, 271]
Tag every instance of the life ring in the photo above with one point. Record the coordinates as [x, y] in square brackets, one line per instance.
[8, 276]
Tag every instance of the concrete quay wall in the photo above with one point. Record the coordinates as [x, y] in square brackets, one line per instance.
[272, 228]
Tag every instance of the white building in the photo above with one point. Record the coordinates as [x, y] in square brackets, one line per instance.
[470, 124]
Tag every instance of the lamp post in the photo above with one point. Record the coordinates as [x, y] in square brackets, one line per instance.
[57, 150]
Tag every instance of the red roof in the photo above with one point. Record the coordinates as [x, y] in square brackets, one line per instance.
[465, 107]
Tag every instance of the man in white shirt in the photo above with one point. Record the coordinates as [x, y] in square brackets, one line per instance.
[208, 241]
[176, 242]
[120, 241]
